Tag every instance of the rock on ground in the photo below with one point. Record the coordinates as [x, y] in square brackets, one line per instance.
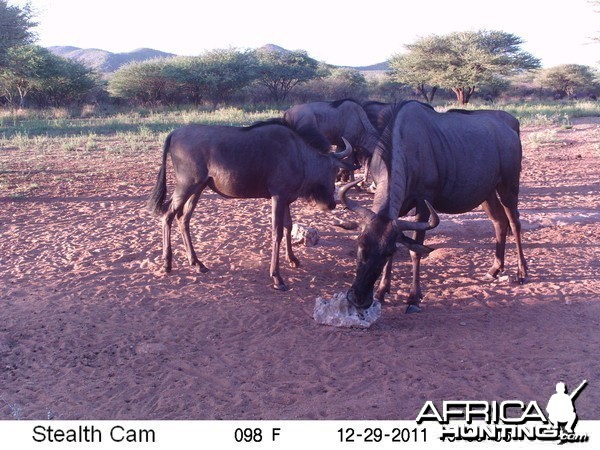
[338, 312]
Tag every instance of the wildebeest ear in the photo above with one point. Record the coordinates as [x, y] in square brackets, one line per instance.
[413, 245]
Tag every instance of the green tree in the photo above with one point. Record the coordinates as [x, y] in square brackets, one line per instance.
[63, 81]
[462, 61]
[23, 72]
[340, 83]
[15, 28]
[227, 71]
[50, 79]
[281, 71]
[566, 79]
[414, 68]
[143, 82]
[190, 76]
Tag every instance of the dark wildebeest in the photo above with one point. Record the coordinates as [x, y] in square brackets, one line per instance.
[336, 119]
[378, 113]
[454, 160]
[265, 160]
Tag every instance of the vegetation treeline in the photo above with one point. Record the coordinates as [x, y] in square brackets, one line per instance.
[458, 65]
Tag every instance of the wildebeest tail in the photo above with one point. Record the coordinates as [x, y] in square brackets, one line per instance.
[157, 196]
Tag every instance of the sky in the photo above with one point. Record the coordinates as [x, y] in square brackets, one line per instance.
[348, 33]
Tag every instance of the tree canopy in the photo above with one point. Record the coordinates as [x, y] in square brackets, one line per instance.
[566, 79]
[15, 28]
[280, 72]
[461, 61]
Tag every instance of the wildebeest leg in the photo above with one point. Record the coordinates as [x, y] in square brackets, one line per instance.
[167, 221]
[494, 210]
[183, 218]
[176, 209]
[509, 196]
[287, 229]
[385, 283]
[415, 295]
[365, 183]
[278, 207]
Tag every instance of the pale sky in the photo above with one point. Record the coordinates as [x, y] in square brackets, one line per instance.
[352, 33]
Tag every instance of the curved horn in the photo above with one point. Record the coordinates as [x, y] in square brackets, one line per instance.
[352, 205]
[344, 153]
[434, 221]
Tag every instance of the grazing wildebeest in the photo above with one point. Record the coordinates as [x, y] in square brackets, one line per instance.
[378, 113]
[265, 160]
[454, 160]
[336, 119]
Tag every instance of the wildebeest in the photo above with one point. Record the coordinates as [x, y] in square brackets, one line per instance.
[378, 113]
[335, 119]
[265, 160]
[454, 160]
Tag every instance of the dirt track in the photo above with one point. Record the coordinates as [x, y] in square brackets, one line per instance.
[90, 328]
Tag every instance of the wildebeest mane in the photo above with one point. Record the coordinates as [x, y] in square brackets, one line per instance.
[384, 147]
[263, 123]
[338, 103]
[309, 133]
[460, 111]
[372, 115]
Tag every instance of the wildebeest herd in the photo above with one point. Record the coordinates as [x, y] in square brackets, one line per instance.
[420, 159]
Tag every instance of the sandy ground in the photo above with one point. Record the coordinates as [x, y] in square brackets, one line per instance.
[91, 329]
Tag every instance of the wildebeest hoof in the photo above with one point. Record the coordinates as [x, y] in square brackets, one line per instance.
[380, 295]
[201, 268]
[295, 262]
[280, 287]
[489, 277]
[412, 309]
[349, 225]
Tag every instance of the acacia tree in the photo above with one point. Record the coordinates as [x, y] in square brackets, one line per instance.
[24, 70]
[144, 82]
[190, 75]
[566, 79]
[414, 68]
[33, 71]
[227, 71]
[462, 61]
[15, 28]
[63, 82]
[281, 71]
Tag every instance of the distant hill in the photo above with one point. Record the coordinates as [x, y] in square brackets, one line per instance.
[273, 48]
[379, 67]
[104, 61]
[374, 67]
[107, 62]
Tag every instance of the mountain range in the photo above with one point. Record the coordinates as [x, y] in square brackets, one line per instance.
[106, 62]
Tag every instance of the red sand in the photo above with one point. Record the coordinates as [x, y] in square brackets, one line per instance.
[91, 329]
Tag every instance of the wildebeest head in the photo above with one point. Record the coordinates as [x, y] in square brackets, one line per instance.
[377, 242]
[319, 187]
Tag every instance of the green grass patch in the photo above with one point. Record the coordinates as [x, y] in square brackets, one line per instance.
[136, 130]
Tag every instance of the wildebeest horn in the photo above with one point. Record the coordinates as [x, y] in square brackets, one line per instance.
[434, 220]
[346, 152]
[352, 205]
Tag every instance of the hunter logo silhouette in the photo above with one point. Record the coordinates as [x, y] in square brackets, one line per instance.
[561, 407]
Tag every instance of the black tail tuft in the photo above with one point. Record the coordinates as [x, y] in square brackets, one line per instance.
[158, 194]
